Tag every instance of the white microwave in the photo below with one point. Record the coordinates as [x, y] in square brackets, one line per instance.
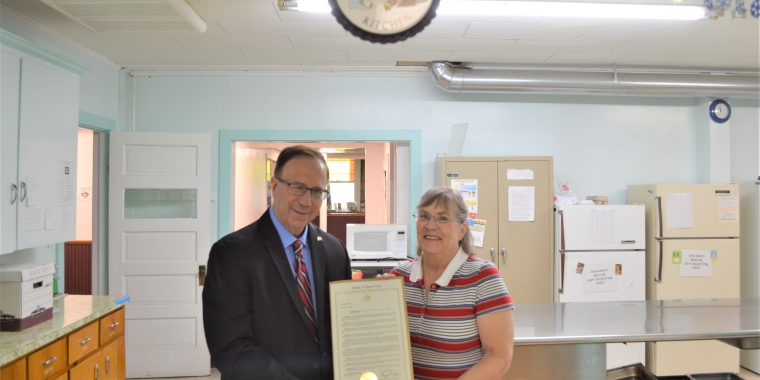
[376, 241]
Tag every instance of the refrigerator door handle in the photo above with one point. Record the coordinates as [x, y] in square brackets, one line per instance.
[493, 255]
[659, 239]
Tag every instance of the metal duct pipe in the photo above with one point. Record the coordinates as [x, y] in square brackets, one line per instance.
[578, 82]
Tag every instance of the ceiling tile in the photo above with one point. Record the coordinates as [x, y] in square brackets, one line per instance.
[682, 32]
[243, 10]
[721, 22]
[521, 31]
[706, 61]
[457, 44]
[444, 29]
[296, 55]
[284, 28]
[397, 55]
[498, 57]
[235, 43]
[587, 59]
[533, 46]
[488, 19]
[687, 48]
[729, 36]
[597, 21]
[338, 43]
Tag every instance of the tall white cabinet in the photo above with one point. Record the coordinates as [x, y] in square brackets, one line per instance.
[38, 121]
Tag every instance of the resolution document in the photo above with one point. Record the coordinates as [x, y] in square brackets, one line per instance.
[369, 330]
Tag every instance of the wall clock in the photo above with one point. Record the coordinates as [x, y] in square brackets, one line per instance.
[720, 111]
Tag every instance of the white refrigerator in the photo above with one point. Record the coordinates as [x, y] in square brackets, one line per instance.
[600, 257]
[692, 254]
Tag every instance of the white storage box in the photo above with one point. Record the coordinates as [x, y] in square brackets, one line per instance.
[26, 295]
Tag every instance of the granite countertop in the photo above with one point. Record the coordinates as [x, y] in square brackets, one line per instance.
[69, 313]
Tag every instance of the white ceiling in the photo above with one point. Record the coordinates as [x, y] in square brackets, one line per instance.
[255, 33]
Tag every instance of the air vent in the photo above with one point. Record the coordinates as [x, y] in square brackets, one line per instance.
[131, 15]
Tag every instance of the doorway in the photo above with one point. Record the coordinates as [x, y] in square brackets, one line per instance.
[404, 154]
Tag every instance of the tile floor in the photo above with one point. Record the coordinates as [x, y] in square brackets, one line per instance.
[215, 375]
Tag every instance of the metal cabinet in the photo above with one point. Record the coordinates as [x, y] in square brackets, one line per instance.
[522, 250]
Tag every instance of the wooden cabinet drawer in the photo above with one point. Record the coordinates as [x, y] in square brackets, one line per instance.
[111, 326]
[89, 369]
[14, 371]
[83, 341]
[48, 361]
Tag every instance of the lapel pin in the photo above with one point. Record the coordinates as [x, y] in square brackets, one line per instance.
[319, 238]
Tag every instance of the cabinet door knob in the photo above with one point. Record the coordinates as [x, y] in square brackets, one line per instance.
[50, 361]
[23, 191]
[201, 275]
[108, 365]
[112, 325]
[14, 193]
[85, 341]
[503, 255]
[97, 372]
[493, 254]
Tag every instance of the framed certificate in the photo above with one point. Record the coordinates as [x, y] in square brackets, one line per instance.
[370, 332]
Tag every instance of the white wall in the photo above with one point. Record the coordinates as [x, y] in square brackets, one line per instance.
[84, 184]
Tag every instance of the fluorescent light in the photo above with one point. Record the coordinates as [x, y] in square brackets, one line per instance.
[572, 9]
[314, 6]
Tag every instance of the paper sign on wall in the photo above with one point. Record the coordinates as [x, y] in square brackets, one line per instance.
[522, 203]
[603, 225]
[29, 219]
[696, 263]
[679, 210]
[468, 188]
[69, 219]
[599, 278]
[478, 231]
[519, 174]
[66, 183]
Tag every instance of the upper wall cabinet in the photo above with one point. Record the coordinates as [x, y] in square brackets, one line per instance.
[39, 120]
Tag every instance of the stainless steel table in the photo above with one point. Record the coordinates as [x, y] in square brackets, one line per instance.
[567, 340]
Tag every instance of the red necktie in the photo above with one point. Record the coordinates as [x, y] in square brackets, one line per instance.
[304, 287]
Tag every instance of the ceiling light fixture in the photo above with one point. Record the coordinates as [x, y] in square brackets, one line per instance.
[624, 9]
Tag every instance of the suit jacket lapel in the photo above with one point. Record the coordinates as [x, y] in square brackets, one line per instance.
[317, 249]
[277, 252]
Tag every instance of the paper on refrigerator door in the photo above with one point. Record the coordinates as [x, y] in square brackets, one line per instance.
[468, 189]
[603, 226]
[679, 210]
[599, 278]
[522, 203]
[728, 209]
[696, 263]
[477, 231]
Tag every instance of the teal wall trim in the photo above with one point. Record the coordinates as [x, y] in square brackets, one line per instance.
[60, 265]
[228, 137]
[21, 44]
[96, 123]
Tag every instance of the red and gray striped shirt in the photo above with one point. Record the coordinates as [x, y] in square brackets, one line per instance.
[443, 328]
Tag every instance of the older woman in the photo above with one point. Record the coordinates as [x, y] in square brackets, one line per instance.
[460, 312]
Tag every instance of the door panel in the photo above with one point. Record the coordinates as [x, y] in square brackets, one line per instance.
[706, 210]
[485, 173]
[527, 265]
[724, 282]
[10, 82]
[159, 236]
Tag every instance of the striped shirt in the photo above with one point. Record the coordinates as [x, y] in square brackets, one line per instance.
[443, 328]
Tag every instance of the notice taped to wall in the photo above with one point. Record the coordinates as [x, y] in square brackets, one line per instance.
[599, 278]
[522, 203]
[696, 263]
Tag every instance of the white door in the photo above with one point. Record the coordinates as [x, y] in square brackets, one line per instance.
[159, 228]
[602, 227]
[703, 210]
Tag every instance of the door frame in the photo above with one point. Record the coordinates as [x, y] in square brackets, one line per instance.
[102, 126]
[227, 139]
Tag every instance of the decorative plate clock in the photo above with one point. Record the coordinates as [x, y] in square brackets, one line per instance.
[384, 21]
[720, 111]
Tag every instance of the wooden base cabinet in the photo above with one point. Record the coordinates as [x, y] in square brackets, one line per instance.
[508, 190]
[96, 351]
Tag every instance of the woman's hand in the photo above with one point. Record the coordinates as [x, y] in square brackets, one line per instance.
[385, 275]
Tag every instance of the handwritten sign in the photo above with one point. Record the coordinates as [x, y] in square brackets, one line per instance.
[599, 278]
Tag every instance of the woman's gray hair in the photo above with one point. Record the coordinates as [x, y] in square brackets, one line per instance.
[453, 202]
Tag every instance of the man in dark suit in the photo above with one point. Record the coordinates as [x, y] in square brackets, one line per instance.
[266, 306]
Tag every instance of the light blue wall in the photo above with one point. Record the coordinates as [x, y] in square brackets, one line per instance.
[99, 86]
[600, 144]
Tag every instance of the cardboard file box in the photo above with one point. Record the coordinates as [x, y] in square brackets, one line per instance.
[26, 296]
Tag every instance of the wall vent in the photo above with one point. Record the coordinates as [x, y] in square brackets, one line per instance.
[131, 15]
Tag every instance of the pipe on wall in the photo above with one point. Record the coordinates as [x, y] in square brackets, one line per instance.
[456, 78]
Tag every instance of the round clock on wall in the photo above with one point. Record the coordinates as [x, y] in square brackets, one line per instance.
[720, 111]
